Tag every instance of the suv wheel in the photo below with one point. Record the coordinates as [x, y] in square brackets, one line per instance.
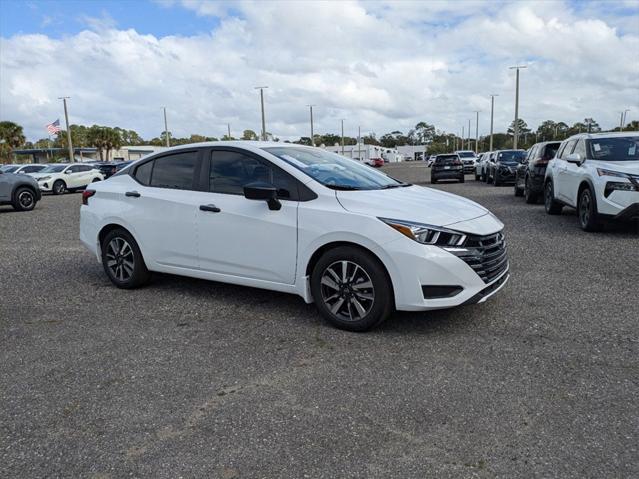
[531, 198]
[518, 190]
[24, 199]
[58, 187]
[122, 260]
[587, 211]
[351, 289]
[477, 177]
[496, 181]
[551, 205]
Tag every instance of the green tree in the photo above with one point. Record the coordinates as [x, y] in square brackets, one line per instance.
[591, 125]
[11, 137]
[423, 133]
[249, 135]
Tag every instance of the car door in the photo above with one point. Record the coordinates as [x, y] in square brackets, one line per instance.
[561, 173]
[5, 187]
[162, 209]
[73, 176]
[241, 237]
[573, 173]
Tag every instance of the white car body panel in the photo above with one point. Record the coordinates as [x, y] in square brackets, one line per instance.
[248, 244]
[71, 180]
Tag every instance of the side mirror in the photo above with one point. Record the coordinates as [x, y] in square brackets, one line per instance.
[67, 172]
[264, 192]
[574, 158]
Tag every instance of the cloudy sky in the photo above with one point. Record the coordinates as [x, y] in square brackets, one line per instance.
[381, 65]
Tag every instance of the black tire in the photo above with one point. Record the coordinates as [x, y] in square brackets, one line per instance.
[95, 180]
[462, 179]
[122, 274]
[477, 177]
[433, 180]
[551, 205]
[529, 195]
[24, 199]
[376, 302]
[518, 191]
[58, 187]
[496, 181]
[587, 211]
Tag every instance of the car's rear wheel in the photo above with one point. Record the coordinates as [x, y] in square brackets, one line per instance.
[531, 198]
[122, 260]
[462, 179]
[496, 180]
[95, 180]
[587, 211]
[58, 187]
[477, 177]
[433, 180]
[24, 199]
[552, 206]
[351, 289]
[518, 191]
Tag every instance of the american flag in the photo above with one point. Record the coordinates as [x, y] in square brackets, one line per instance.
[54, 128]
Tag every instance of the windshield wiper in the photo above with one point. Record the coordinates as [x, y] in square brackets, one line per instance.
[343, 187]
[400, 185]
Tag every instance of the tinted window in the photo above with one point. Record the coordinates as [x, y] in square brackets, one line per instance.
[581, 149]
[174, 171]
[550, 151]
[568, 148]
[230, 171]
[511, 156]
[143, 173]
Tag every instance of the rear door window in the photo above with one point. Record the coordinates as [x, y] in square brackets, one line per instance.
[176, 171]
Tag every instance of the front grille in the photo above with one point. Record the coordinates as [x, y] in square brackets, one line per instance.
[487, 255]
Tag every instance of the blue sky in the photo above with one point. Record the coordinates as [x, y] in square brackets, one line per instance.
[383, 65]
[67, 17]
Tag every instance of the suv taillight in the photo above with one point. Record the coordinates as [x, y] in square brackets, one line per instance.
[86, 194]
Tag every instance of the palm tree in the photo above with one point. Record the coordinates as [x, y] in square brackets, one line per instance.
[11, 136]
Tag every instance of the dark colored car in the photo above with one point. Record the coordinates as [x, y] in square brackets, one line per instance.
[107, 168]
[529, 181]
[20, 191]
[447, 167]
[502, 169]
[122, 164]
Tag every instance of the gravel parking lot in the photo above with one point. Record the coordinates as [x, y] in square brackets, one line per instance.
[188, 378]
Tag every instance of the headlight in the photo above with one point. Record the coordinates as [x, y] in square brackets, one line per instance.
[44, 178]
[618, 186]
[602, 172]
[426, 234]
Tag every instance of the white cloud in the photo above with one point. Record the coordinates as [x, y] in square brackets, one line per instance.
[381, 65]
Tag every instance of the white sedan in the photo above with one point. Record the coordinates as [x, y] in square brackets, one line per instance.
[295, 219]
[61, 177]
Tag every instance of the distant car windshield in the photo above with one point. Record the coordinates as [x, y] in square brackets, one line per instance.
[332, 170]
[512, 156]
[615, 149]
[466, 154]
[53, 169]
[9, 169]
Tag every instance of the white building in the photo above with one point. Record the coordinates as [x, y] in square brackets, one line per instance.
[366, 153]
[414, 152]
[126, 153]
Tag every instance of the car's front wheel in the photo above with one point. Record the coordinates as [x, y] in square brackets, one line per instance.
[58, 187]
[530, 197]
[552, 207]
[24, 199]
[351, 289]
[122, 260]
[587, 211]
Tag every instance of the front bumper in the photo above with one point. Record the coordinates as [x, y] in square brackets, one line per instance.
[506, 175]
[469, 167]
[631, 213]
[46, 186]
[447, 174]
[416, 266]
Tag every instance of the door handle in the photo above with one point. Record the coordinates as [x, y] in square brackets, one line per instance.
[211, 208]
[134, 194]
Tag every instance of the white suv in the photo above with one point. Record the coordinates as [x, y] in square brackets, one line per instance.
[299, 220]
[598, 174]
[468, 159]
[61, 177]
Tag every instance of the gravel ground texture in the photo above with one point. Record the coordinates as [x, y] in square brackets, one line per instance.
[189, 378]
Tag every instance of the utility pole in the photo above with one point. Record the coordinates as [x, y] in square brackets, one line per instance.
[462, 138]
[469, 140]
[228, 126]
[261, 89]
[66, 118]
[166, 129]
[516, 127]
[477, 132]
[312, 135]
[359, 142]
[492, 113]
[623, 123]
[342, 137]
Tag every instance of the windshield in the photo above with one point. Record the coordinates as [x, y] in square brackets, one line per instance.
[511, 156]
[334, 171]
[466, 154]
[615, 149]
[53, 169]
[9, 169]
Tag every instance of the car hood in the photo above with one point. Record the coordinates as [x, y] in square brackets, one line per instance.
[414, 203]
[41, 175]
[631, 167]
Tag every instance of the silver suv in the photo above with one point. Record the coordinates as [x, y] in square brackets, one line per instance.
[20, 191]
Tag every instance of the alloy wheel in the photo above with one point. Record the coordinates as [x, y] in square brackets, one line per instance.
[120, 260]
[25, 199]
[584, 208]
[347, 290]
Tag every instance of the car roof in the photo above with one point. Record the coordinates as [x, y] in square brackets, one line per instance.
[609, 134]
